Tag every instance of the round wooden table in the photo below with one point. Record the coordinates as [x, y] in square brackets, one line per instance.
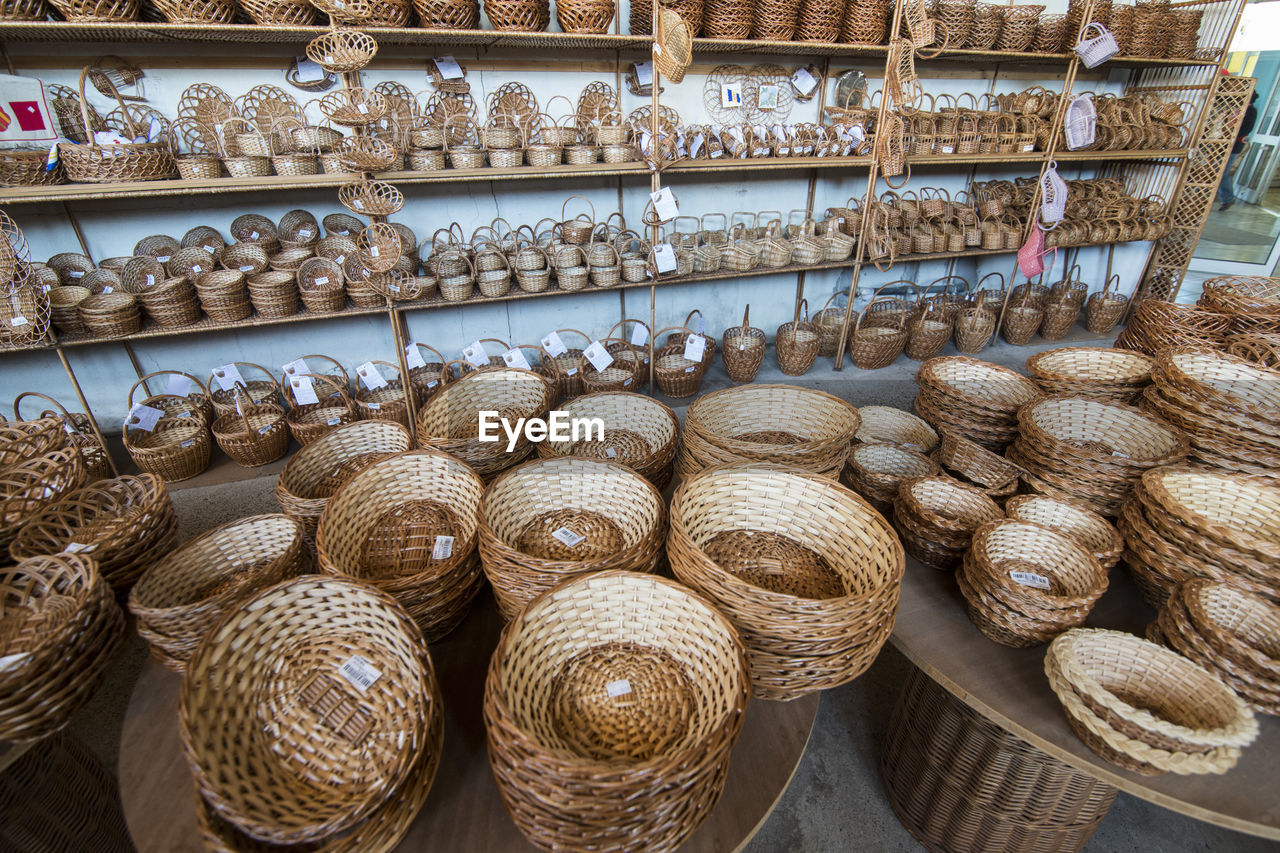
[1009, 687]
[464, 810]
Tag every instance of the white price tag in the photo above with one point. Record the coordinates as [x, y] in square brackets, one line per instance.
[730, 95]
[213, 250]
[298, 365]
[664, 202]
[598, 356]
[639, 336]
[362, 108]
[572, 371]
[448, 67]
[568, 537]
[305, 233]
[304, 390]
[228, 375]
[178, 385]
[75, 547]
[374, 406]
[515, 358]
[333, 422]
[804, 81]
[164, 259]
[644, 73]
[1030, 579]
[18, 321]
[413, 357]
[475, 355]
[665, 257]
[369, 375]
[359, 672]
[188, 442]
[694, 347]
[308, 71]
[621, 687]
[321, 280]
[264, 430]
[108, 289]
[611, 453]
[443, 548]
[143, 417]
[151, 279]
[75, 274]
[553, 345]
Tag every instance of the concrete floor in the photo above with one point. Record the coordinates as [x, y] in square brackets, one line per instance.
[835, 802]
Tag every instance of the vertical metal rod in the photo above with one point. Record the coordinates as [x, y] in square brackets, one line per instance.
[393, 316]
[93, 421]
[137, 366]
[802, 276]
[655, 184]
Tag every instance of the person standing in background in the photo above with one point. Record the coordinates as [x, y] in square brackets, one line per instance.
[1226, 189]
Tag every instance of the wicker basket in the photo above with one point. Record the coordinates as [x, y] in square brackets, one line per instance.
[315, 473]
[876, 470]
[407, 525]
[29, 485]
[613, 702]
[639, 432]
[62, 628]
[797, 343]
[614, 518]
[1105, 309]
[110, 315]
[1109, 375]
[1024, 584]
[742, 349]
[80, 430]
[1145, 707]
[286, 656]
[178, 447]
[254, 435]
[388, 401]
[309, 422]
[974, 464]
[95, 164]
[937, 516]
[807, 571]
[1075, 521]
[450, 420]
[259, 391]
[187, 592]
[974, 399]
[781, 424]
[873, 346]
[887, 425]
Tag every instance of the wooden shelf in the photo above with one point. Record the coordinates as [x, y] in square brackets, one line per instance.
[216, 186]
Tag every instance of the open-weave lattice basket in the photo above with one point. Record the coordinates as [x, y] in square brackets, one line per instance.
[806, 570]
[611, 706]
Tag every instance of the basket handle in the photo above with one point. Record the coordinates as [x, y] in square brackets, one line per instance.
[564, 208]
[84, 104]
[345, 376]
[17, 402]
[901, 312]
[440, 359]
[621, 324]
[204, 389]
[287, 387]
[876, 293]
[582, 335]
[804, 303]
[746, 317]
[830, 299]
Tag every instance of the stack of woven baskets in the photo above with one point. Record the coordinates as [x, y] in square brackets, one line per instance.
[1109, 375]
[1184, 522]
[768, 423]
[1155, 325]
[354, 721]
[1024, 584]
[975, 465]
[972, 398]
[1146, 708]
[39, 464]
[936, 518]
[876, 470]
[1230, 632]
[1074, 520]
[1091, 451]
[885, 424]
[808, 572]
[1228, 407]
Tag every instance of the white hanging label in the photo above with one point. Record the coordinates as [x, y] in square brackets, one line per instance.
[18, 321]
[143, 417]
[369, 375]
[359, 672]
[448, 67]
[664, 256]
[413, 357]
[304, 390]
[639, 336]
[568, 537]
[610, 452]
[621, 687]
[443, 548]
[767, 98]
[298, 365]
[75, 547]
[553, 345]
[804, 82]
[694, 347]
[664, 202]
[598, 356]
[515, 358]
[644, 73]
[308, 71]
[1030, 579]
[178, 385]
[228, 376]
[475, 355]
[263, 430]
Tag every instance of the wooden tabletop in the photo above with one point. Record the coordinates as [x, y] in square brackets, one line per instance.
[463, 811]
[1009, 687]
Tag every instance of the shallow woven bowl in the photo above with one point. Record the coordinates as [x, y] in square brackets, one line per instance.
[1225, 380]
[795, 644]
[281, 744]
[977, 384]
[1234, 510]
[1091, 531]
[1074, 425]
[619, 516]
[1090, 370]
[885, 424]
[613, 702]
[639, 432]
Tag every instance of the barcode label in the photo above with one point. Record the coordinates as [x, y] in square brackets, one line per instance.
[621, 687]
[18, 321]
[360, 673]
[443, 548]
[610, 452]
[164, 259]
[333, 421]
[321, 280]
[263, 430]
[568, 537]
[188, 442]
[75, 547]
[1030, 579]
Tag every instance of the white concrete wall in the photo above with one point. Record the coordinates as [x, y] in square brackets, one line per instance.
[112, 228]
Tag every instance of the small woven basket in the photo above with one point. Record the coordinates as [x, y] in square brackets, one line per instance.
[876, 470]
[937, 516]
[742, 350]
[887, 425]
[797, 343]
[639, 432]
[179, 446]
[254, 435]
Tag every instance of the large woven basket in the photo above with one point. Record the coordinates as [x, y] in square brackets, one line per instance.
[316, 472]
[768, 423]
[1146, 708]
[89, 162]
[1109, 375]
[887, 425]
[178, 447]
[450, 421]
[806, 570]
[62, 626]
[407, 525]
[639, 432]
[124, 524]
[342, 678]
[185, 593]
[611, 706]
[553, 519]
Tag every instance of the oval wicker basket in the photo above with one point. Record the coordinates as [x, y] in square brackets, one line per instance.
[450, 420]
[27, 487]
[1024, 584]
[876, 470]
[178, 447]
[335, 682]
[639, 432]
[254, 436]
[613, 702]
[553, 519]
[62, 626]
[407, 525]
[806, 570]
[184, 594]
[887, 425]
[1074, 520]
[936, 518]
[1144, 707]
[1109, 375]
[972, 398]
[124, 524]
